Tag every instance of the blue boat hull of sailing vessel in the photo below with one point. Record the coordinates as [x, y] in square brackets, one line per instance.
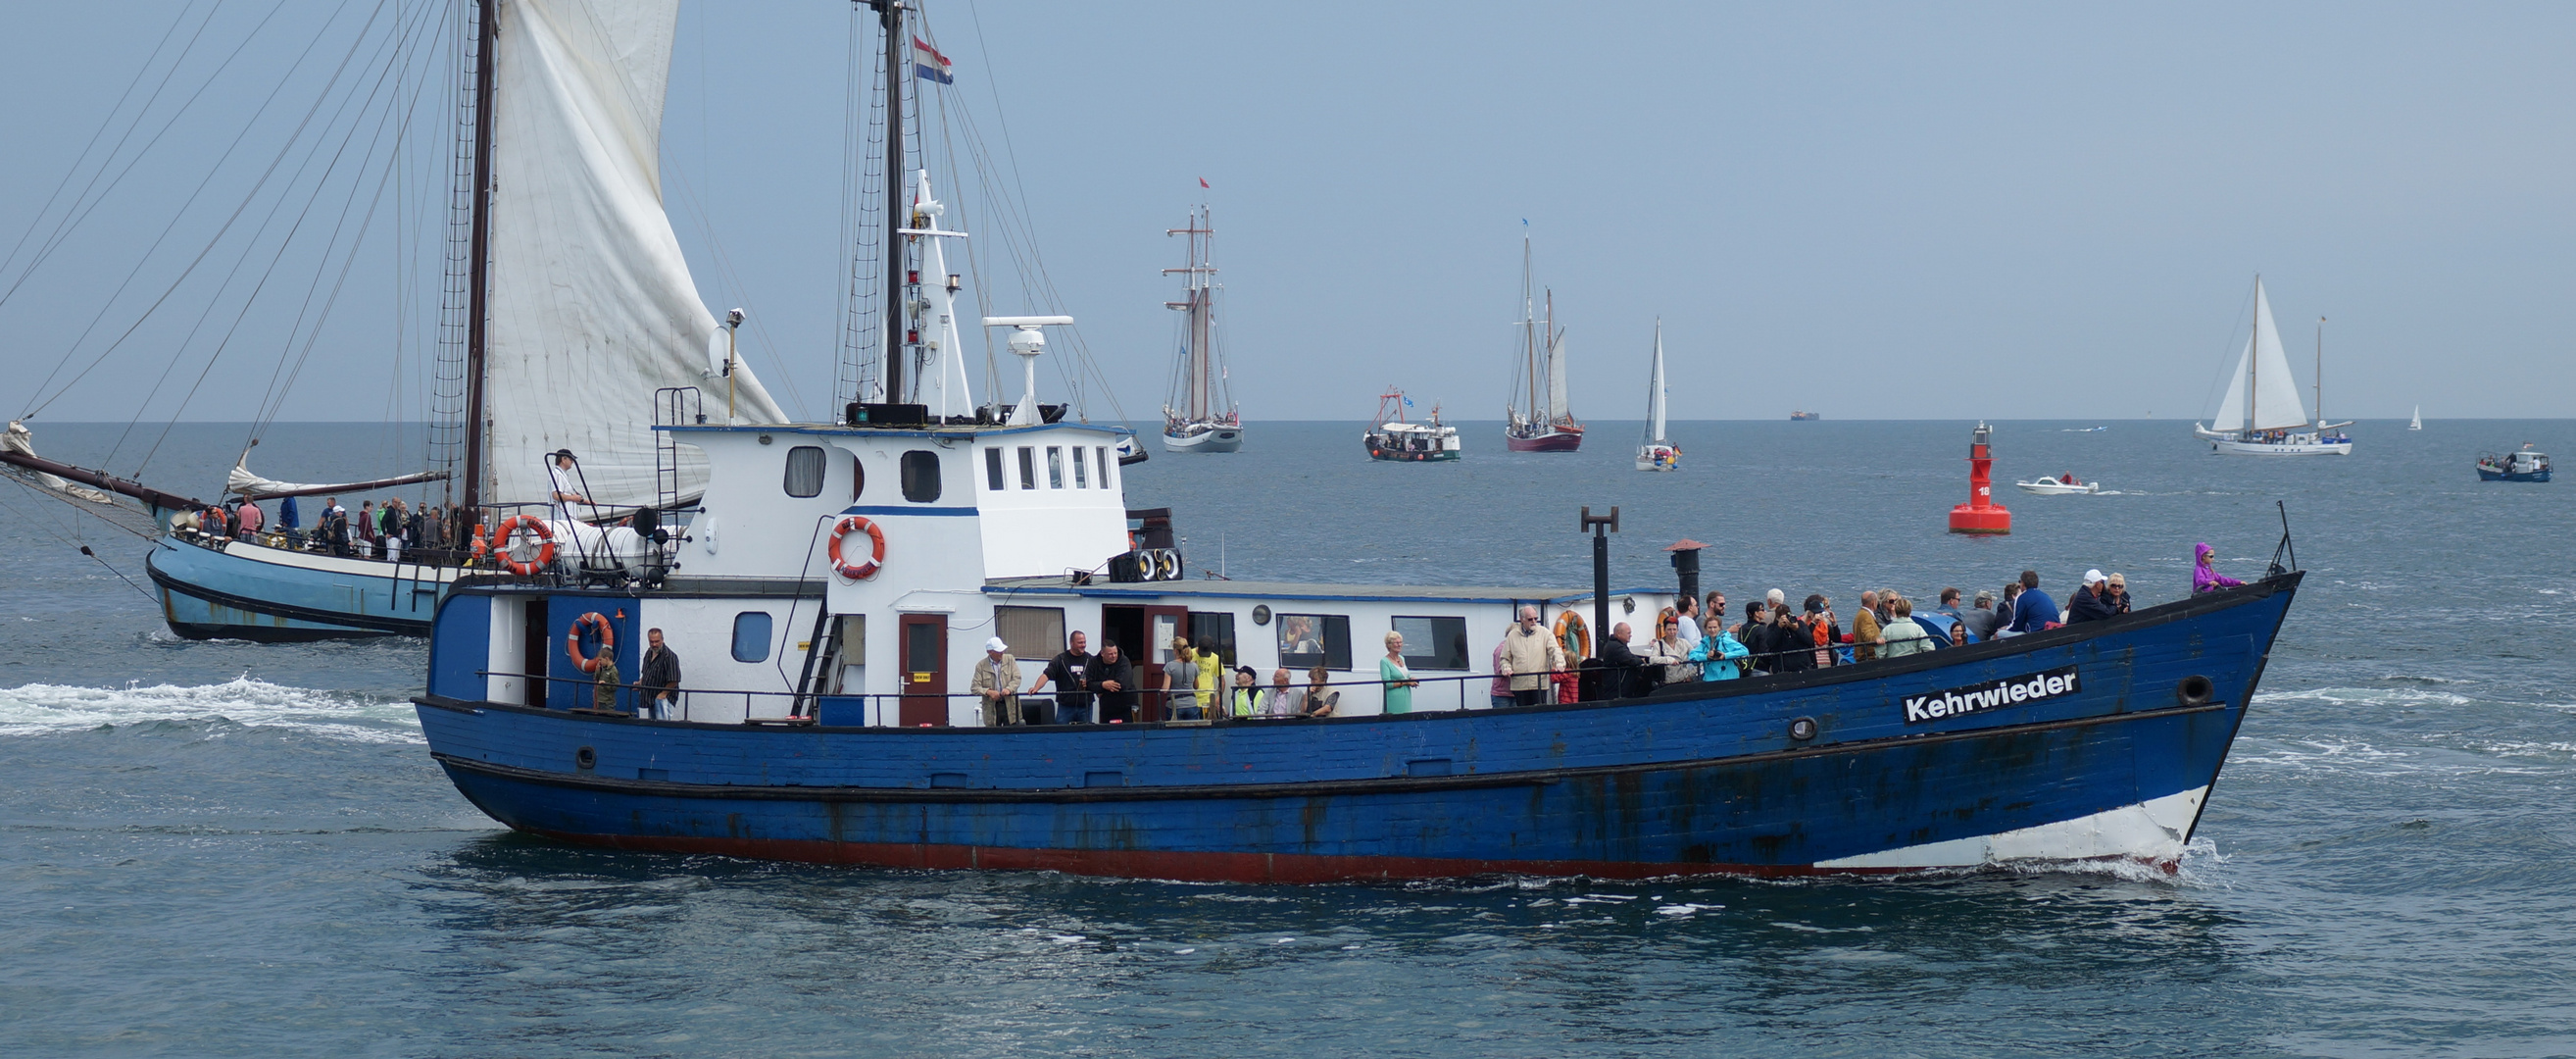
[244, 591]
[2100, 740]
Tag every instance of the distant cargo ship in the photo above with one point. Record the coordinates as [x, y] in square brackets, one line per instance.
[1801, 417]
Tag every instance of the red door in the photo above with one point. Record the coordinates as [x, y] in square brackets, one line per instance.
[924, 658]
[1161, 625]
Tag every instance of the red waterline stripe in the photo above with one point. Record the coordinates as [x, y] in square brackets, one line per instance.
[1178, 866]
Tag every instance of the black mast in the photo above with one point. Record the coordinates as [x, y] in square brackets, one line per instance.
[487, 36]
[890, 14]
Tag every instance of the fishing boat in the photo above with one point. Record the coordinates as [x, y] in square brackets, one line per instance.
[2261, 415]
[1200, 414]
[1536, 422]
[578, 327]
[847, 589]
[1656, 452]
[2522, 465]
[1805, 417]
[1393, 437]
[2066, 486]
[2416, 421]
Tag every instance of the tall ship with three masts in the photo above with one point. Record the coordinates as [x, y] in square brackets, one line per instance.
[1200, 414]
[1538, 419]
[2261, 415]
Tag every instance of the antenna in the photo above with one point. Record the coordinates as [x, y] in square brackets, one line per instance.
[1028, 343]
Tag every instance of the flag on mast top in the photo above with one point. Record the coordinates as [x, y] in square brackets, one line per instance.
[928, 64]
[1203, 182]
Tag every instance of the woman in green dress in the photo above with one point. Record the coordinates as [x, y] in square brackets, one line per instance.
[1399, 681]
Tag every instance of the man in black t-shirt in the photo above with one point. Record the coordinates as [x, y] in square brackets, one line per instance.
[1070, 671]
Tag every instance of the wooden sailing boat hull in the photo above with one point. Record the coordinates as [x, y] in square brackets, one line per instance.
[244, 591]
[1554, 439]
[1210, 439]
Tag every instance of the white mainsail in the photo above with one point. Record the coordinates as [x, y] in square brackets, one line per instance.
[2276, 394]
[1655, 391]
[592, 307]
[1556, 404]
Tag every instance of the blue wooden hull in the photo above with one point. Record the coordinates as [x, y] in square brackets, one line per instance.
[249, 592]
[2487, 475]
[2112, 754]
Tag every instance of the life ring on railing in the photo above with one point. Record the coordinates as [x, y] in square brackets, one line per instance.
[876, 548]
[1573, 635]
[502, 540]
[607, 642]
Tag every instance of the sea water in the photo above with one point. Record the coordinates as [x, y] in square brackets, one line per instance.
[231, 849]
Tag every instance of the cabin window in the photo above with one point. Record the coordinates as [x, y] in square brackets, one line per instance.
[1433, 642]
[805, 471]
[751, 636]
[1081, 476]
[993, 470]
[1105, 464]
[921, 476]
[1055, 467]
[1309, 640]
[858, 478]
[1034, 633]
[1028, 467]
[1209, 625]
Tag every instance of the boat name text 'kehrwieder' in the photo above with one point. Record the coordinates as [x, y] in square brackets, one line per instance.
[2010, 691]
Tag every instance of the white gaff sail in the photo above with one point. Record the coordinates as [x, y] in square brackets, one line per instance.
[2276, 394]
[592, 305]
[1556, 404]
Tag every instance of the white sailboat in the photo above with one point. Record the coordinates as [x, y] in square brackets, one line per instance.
[1200, 414]
[1657, 453]
[2262, 415]
[2417, 422]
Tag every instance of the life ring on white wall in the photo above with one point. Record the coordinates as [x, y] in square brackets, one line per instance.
[859, 571]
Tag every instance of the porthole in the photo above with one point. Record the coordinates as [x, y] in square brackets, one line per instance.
[2195, 690]
[1802, 729]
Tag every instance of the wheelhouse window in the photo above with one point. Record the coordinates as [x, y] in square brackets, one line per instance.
[805, 471]
[1309, 640]
[1105, 464]
[751, 636]
[1055, 466]
[1081, 475]
[921, 476]
[993, 470]
[1433, 642]
[1028, 467]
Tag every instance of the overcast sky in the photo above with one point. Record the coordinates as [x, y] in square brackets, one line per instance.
[1900, 211]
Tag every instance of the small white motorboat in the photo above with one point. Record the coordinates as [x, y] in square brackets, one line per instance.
[2054, 486]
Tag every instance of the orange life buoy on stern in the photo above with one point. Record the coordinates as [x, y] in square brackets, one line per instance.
[859, 571]
[607, 642]
[1573, 635]
[508, 534]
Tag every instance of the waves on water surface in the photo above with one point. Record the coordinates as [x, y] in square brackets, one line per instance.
[42, 709]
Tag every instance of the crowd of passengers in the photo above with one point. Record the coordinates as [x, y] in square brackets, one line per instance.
[1531, 666]
[388, 531]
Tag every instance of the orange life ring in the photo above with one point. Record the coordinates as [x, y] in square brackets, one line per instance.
[607, 642]
[510, 529]
[876, 548]
[212, 522]
[1573, 635]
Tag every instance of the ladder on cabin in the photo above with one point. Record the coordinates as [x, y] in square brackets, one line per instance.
[672, 406]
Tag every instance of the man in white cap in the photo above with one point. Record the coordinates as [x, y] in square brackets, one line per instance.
[996, 684]
[2091, 602]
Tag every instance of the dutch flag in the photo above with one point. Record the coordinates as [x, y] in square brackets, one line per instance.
[928, 64]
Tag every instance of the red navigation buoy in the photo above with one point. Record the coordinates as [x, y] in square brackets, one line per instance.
[1980, 514]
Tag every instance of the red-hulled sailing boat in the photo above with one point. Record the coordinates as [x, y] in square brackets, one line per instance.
[1538, 425]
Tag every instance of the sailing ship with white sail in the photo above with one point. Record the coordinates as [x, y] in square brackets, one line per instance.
[1657, 452]
[2262, 414]
[581, 328]
[1200, 414]
[1537, 417]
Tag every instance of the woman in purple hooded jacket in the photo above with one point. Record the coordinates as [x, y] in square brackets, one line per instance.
[2204, 579]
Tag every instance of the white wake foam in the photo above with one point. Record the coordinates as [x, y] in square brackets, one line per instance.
[39, 709]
